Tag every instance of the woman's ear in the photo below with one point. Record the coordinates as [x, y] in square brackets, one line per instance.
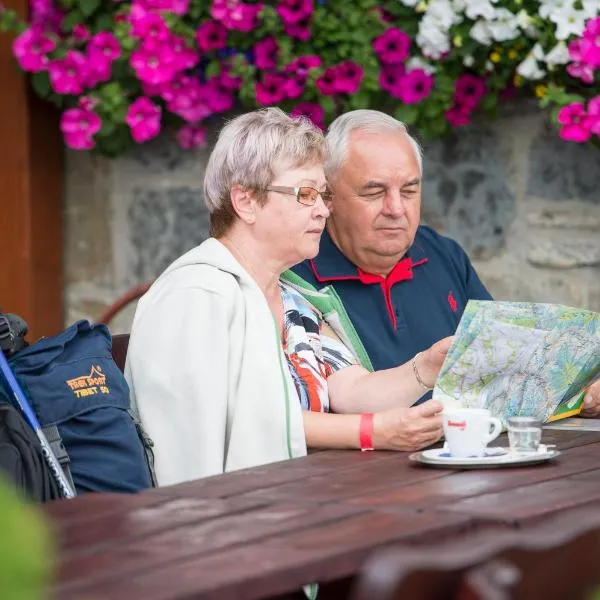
[243, 203]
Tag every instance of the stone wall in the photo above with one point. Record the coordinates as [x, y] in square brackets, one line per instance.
[524, 204]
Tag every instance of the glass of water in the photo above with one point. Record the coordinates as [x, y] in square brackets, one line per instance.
[524, 434]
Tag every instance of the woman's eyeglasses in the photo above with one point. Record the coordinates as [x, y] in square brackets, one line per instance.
[305, 195]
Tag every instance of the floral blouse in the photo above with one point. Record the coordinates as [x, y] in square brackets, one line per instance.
[312, 355]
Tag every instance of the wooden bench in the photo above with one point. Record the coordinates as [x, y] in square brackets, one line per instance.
[559, 561]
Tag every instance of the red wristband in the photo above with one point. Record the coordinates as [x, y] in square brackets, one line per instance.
[366, 431]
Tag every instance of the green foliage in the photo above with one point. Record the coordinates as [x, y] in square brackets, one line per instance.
[25, 549]
[340, 31]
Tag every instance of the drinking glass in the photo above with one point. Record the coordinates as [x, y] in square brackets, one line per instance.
[524, 434]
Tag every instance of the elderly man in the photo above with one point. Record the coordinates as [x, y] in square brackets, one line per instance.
[396, 286]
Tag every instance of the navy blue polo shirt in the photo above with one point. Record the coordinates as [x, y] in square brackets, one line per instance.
[420, 302]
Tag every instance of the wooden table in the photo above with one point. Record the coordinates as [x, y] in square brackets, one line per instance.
[265, 531]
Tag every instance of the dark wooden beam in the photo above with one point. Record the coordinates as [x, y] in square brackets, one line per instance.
[31, 176]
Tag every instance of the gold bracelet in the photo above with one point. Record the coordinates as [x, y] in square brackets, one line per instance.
[413, 362]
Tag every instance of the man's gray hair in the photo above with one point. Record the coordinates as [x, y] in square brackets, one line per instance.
[252, 146]
[370, 121]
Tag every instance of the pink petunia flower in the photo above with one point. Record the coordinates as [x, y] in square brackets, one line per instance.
[46, 15]
[295, 85]
[178, 7]
[31, 49]
[303, 64]
[311, 111]
[292, 12]
[469, 90]
[265, 53]
[459, 114]
[594, 115]
[191, 136]
[227, 81]
[80, 32]
[299, 31]
[105, 46]
[326, 83]
[218, 97]
[393, 46]
[579, 69]
[78, 125]
[236, 15]
[270, 89]
[148, 25]
[390, 79]
[186, 98]
[416, 86]
[349, 76]
[143, 118]
[211, 35]
[575, 123]
[590, 43]
[87, 102]
[184, 57]
[69, 75]
[154, 62]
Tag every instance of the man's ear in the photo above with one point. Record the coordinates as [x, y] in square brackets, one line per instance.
[243, 203]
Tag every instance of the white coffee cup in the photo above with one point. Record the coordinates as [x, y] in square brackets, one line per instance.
[469, 430]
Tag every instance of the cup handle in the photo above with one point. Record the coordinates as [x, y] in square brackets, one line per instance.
[496, 429]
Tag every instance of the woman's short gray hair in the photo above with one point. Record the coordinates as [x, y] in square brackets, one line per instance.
[371, 121]
[252, 146]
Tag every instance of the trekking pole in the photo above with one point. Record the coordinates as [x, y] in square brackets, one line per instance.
[51, 460]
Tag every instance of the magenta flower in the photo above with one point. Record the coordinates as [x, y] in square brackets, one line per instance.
[416, 86]
[143, 118]
[80, 32]
[178, 7]
[469, 90]
[237, 15]
[575, 123]
[590, 43]
[292, 12]
[348, 77]
[184, 57]
[303, 64]
[390, 79]
[104, 46]
[154, 62]
[594, 115]
[227, 81]
[270, 89]
[578, 68]
[211, 35]
[31, 48]
[78, 125]
[191, 136]
[265, 53]
[69, 75]
[393, 46]
[326, 83]
[147, 25]
[294, 86]
[311, 111]
[87, 102]
[186, 98]
[300, 30]
[458, 115]
[46, 15]
[219, 98]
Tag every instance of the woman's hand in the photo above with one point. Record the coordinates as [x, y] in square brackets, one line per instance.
[591, 401]
[430, 361]
[408, 429]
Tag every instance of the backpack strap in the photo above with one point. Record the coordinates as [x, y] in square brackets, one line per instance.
[146, 442]
[59, 451]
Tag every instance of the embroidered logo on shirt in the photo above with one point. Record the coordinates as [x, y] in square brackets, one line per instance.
[452, 302]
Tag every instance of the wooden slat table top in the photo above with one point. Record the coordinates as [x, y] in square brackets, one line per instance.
[267, 530]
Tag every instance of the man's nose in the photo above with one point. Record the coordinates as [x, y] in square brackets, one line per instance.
[393, 204]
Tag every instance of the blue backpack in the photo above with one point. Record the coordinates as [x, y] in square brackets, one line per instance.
[81, 400]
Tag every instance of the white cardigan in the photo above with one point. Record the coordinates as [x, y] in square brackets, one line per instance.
[207, 372]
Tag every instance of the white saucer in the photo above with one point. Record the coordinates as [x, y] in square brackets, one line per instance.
[494, 457]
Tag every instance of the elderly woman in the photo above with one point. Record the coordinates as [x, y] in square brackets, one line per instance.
[228, 366]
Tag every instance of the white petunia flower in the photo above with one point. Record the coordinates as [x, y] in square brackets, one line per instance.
[559, 55]
[591, 8]
[409, 2]
[434, 42]
[468, 61]
[525, 22]
[549, 7]
[529, 68]
[489, 65]
[569, 21]
[442, 14]
[459, 5]
[481, 33]
[417, 62]
[480, 8]
[504, 26]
